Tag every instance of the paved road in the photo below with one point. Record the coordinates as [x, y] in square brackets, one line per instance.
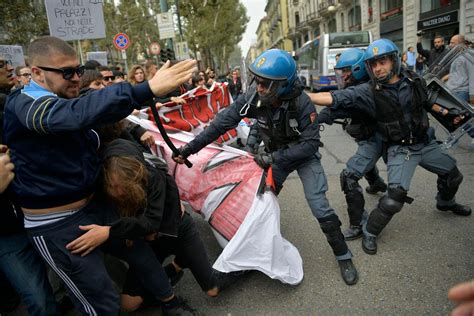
[422, 252]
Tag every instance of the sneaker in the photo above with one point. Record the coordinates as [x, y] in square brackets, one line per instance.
[178, 306]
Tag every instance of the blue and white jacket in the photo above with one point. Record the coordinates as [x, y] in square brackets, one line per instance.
[52, 143]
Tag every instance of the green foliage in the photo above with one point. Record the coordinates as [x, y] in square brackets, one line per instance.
[214, 28]
[22, 20]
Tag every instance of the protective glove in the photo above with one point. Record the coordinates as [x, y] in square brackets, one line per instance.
[325, 117]
[183, 153]
[455, 115]
[264, 160]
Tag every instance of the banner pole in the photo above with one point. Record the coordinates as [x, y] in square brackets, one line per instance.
[80, 52]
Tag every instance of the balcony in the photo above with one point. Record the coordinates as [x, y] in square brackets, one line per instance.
[346, 2]
[313, 18]
[303, 26]
[293, 33]
[327, 7]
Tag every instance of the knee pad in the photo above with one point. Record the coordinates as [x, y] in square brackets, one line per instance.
[329, 223]
[349, 181]
[392, 202]
[454, 178]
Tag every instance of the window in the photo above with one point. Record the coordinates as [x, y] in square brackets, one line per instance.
[332, 28]
[430, 5]
[354, 19]
[343, 23]
[297, 19]
[387, 5]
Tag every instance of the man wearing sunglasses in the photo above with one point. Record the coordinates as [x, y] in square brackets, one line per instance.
[286, 121]
[108, 77]
[52, 144]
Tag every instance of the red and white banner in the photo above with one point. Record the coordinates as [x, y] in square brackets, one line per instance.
[201, 107]
[222, 186]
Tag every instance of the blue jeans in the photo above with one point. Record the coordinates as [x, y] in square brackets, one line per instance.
[26, 272]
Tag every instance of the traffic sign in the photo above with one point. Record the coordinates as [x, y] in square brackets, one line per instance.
[121, 41]
[155, 48]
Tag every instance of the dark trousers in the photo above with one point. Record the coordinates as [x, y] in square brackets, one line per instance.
[189, 252]
[86, 278]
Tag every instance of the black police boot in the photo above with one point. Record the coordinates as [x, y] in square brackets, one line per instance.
[369, 244]
[377, 186]
[348, 271]
[353, 232]
[456, 208]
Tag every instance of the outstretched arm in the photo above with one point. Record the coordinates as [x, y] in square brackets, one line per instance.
[321, 98]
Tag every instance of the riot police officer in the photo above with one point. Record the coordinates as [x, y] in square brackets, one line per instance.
[350, 71]
[397, 101]
[286, 121]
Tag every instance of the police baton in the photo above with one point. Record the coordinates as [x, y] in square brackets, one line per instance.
[165, 136]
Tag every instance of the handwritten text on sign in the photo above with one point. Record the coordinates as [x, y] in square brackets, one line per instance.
[75, 19]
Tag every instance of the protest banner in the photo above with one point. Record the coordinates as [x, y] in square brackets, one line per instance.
[13, 54]
[75, 19]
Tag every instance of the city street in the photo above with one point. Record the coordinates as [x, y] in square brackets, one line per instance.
[422, 253]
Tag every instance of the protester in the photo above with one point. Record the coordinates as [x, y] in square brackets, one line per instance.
[397, 100]
[350, 71]
[235, 85]
[91, 79]
[150, 69]
[136, 75]
[287, 126]
[435, 52]
[211, 77]
[19, 262]
[92, 65]
[149, 205]
[461, 73]
[23, 76]
[108, 77]
[49, 132]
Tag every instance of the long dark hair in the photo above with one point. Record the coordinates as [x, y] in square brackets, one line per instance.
[133, 178]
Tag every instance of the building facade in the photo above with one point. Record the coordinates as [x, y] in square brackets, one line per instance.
[397, 20]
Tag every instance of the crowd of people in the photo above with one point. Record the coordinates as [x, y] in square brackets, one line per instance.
[75, 180]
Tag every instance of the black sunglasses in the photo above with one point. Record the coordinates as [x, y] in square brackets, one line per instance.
[68, 72]
[25, 75]
[4, 63]
[108, 78]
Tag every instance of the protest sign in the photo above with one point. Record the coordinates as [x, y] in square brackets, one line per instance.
[13, 54]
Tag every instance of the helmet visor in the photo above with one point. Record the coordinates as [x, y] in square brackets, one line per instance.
[343, 76]
[267, 90]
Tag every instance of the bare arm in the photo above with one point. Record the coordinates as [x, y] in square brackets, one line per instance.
[322, 98]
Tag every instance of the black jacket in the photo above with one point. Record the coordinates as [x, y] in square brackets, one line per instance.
[163, 211]
[431, 55]
[11, 220]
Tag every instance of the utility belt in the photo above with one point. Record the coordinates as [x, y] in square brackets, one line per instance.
[413, 140]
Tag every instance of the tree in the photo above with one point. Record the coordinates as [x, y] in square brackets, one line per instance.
[22, 20]
[213, 28]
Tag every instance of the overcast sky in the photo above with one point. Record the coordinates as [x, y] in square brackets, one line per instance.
[255, 11]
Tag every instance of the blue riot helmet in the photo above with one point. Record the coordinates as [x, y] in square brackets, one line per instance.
[275, 70]
[378, 50]
[350, 68]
